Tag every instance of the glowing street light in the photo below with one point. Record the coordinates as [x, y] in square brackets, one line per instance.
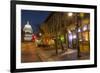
[69, 32]
[70, 14]
[40, 34]
[74, 36]
[79, 30]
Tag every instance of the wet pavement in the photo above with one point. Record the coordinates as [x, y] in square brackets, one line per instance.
[31, 53]
[28, 53]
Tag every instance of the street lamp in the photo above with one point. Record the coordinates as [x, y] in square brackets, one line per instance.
[69, 31]
[74, 36]
[70, 14]
[79, 30]
[40, 34]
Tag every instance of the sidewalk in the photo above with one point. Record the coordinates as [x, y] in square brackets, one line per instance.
[50, 55]
[44, 56]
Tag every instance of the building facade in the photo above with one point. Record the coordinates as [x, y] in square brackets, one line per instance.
[73, 30]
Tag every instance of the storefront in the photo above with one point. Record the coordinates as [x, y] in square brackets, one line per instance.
[80, 38]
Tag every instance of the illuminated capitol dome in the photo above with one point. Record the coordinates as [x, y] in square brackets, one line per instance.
[28, 28]
[28, 31]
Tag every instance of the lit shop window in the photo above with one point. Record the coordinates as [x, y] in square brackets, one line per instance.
[85, 33]
[85, 36]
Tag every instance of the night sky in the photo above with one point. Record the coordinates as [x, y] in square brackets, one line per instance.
[35, 18]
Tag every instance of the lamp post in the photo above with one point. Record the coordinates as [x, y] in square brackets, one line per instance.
[77, 33]
[70, 14]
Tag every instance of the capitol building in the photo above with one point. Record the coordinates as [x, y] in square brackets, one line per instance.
[28, 31]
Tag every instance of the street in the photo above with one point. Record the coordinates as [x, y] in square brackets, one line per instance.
[28, 52]
[31, 53]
